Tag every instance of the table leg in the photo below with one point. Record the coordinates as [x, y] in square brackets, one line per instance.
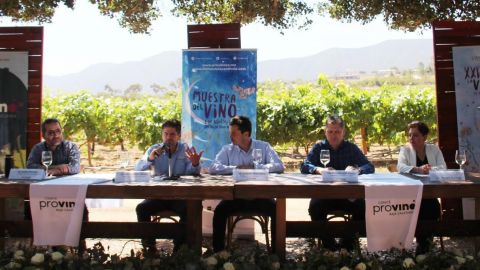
[281, 233]
[477, 216]
[194, 225]
[2, 217]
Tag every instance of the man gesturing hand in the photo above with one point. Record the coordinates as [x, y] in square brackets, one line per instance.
[193, 156]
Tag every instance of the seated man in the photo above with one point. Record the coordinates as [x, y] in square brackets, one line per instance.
[238, 154]
[65, 156]
[186, 161]
[344, 155]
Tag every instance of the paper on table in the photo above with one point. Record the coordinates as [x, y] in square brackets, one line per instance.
[447, 175]
[250, 174]
[340, 175]
[421, 175]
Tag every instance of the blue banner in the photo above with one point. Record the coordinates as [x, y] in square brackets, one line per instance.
[217, 85]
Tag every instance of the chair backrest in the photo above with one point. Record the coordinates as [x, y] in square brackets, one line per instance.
[392, 168]
[339, 214]
[261, 219]
[166, 214]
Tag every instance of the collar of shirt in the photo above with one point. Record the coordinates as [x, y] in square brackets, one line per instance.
[327, 145]
[177, 149]
[252, 146]
[58, 148]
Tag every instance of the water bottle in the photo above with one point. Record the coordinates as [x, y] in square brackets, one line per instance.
[8, 164]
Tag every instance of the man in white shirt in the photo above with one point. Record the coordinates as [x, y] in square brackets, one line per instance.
[238, 154]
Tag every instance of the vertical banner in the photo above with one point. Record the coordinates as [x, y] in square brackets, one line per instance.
[392, 204]
[13, 106]
[466, 65]
[217, 85]
[466, 69]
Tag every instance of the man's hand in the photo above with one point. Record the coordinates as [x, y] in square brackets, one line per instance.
[57, 170]
[319, 170]
[193, 156]
[156, 152]
[352, 169]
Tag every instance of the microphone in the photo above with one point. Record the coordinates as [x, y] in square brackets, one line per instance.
[166, 147]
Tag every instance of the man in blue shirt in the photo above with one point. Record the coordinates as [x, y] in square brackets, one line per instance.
[183, 160]
[238, 154]
[65, 154]
[344, 155]
[65, 159]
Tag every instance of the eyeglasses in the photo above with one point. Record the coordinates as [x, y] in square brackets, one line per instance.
[51, 133]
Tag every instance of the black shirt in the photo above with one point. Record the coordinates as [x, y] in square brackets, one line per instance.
[421, 162]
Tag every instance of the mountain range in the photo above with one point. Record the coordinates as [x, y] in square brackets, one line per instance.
[164, 68]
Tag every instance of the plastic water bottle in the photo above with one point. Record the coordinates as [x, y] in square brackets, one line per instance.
[8, 165]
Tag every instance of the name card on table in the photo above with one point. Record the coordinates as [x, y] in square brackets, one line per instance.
[250, 175]
[27, 174]
[447, 175]
[134, 176]
[342, 176]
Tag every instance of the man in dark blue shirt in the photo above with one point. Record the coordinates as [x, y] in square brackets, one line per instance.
[344, 155]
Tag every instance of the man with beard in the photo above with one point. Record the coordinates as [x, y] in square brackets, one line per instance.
[181, 159]
[65, 154]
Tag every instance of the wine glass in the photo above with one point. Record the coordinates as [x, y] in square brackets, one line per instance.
[460, 157]
[47, 160]
[325, 157]
[124, 159]
[257, 157]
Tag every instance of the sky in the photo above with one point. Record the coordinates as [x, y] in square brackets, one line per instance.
[83, 37]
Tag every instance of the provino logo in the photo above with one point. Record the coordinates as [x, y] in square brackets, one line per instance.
[393, 208]
[58, 205]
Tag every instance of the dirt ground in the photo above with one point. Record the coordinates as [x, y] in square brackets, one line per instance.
[107, 159]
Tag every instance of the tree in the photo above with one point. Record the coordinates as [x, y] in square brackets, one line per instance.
[110, 90]
[176, 85]
[138, 15]
[157, 88]
[281, 14]
[133, 90]
[403, 15]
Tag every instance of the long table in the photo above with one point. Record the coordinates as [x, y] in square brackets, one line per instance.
[189, 188]
[196, 189]
[310, 186]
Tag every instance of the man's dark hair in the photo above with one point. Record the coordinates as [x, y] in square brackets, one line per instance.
[334, 119]
[422, 127]
[173, 123]
[243, 124]
[49, 121]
